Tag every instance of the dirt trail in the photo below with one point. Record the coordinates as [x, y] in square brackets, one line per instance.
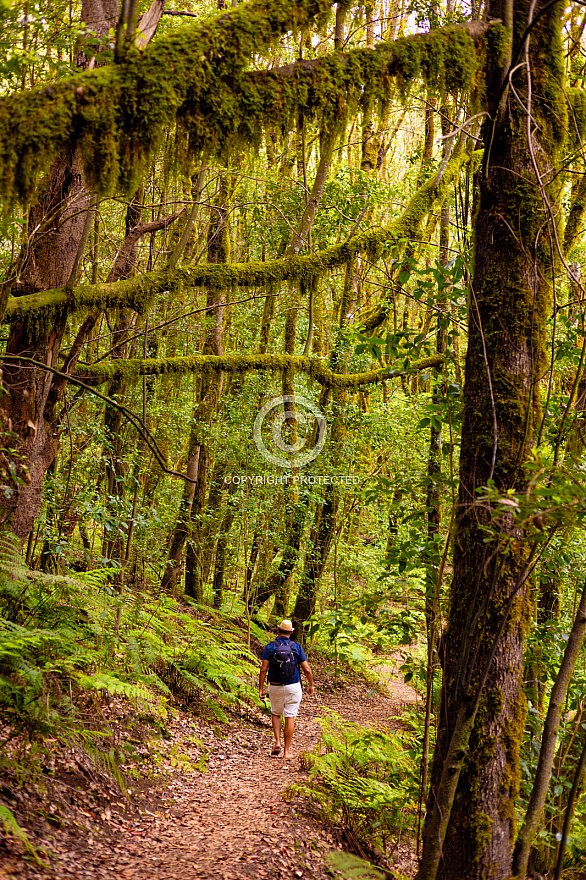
[391, 681]
[229, 822]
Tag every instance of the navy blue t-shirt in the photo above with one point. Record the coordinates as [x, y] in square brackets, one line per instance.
[298, 652]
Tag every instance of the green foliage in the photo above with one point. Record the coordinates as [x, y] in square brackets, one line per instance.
[363, 780]
[40, 36]
[555, 498]
[11, 826]
[66, 641]
[59, 634]
[365, 623]
[350, 867]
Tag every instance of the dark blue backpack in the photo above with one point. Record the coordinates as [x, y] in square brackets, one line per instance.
[284, 664]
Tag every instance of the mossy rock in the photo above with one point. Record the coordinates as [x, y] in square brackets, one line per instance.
[349, 867]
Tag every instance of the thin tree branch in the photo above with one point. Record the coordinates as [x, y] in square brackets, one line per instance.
[134, 420]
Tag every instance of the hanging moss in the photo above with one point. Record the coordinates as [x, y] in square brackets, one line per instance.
[138, 292]
[328, 89]
[117, 114]
[445, 59]
[197, 76]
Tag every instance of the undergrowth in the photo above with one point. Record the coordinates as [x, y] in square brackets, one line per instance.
[363, 781]
[65, 643]
[61, 635]
[11, 826]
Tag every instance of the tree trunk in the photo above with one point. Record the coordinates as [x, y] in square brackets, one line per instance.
[290, 554]
[193, 556]
[51, 257]
[193, 498]
[534, 815]
[212, 531]
[222, 547]
[173, 568]
[469, 829]
[316, 557]
[59, 218]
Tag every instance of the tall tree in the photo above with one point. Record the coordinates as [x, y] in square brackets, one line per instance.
[59, 224]
[470, 826]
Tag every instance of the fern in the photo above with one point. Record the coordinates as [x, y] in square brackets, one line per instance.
[364, 781]
[11, 826]
[59, 631]
[117, 686]
[152, 681]
[62, 637]
[350, 867]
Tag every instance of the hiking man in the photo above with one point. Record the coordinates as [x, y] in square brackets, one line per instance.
[283, 659]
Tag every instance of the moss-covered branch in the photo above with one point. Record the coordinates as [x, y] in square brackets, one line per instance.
[117, 114]
[447, 60]
[315, 368]
[49, 305]
[138, 292]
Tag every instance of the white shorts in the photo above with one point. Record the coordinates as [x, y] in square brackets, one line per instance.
[285, 699]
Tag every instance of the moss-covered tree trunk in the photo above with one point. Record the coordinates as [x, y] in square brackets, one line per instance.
[294, 524]
[320, 541]
[470, 825]
[173, 569]
[223, 546]
[59, 223]
[27, 409]
[193, 556]
[213, 526]
[210, 390]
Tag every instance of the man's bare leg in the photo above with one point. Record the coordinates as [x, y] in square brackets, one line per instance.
[276, 719]
[289, 728]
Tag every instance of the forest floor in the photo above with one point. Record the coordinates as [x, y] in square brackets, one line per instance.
[215, 809]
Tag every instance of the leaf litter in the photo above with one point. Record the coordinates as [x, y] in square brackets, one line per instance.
[209, 803]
